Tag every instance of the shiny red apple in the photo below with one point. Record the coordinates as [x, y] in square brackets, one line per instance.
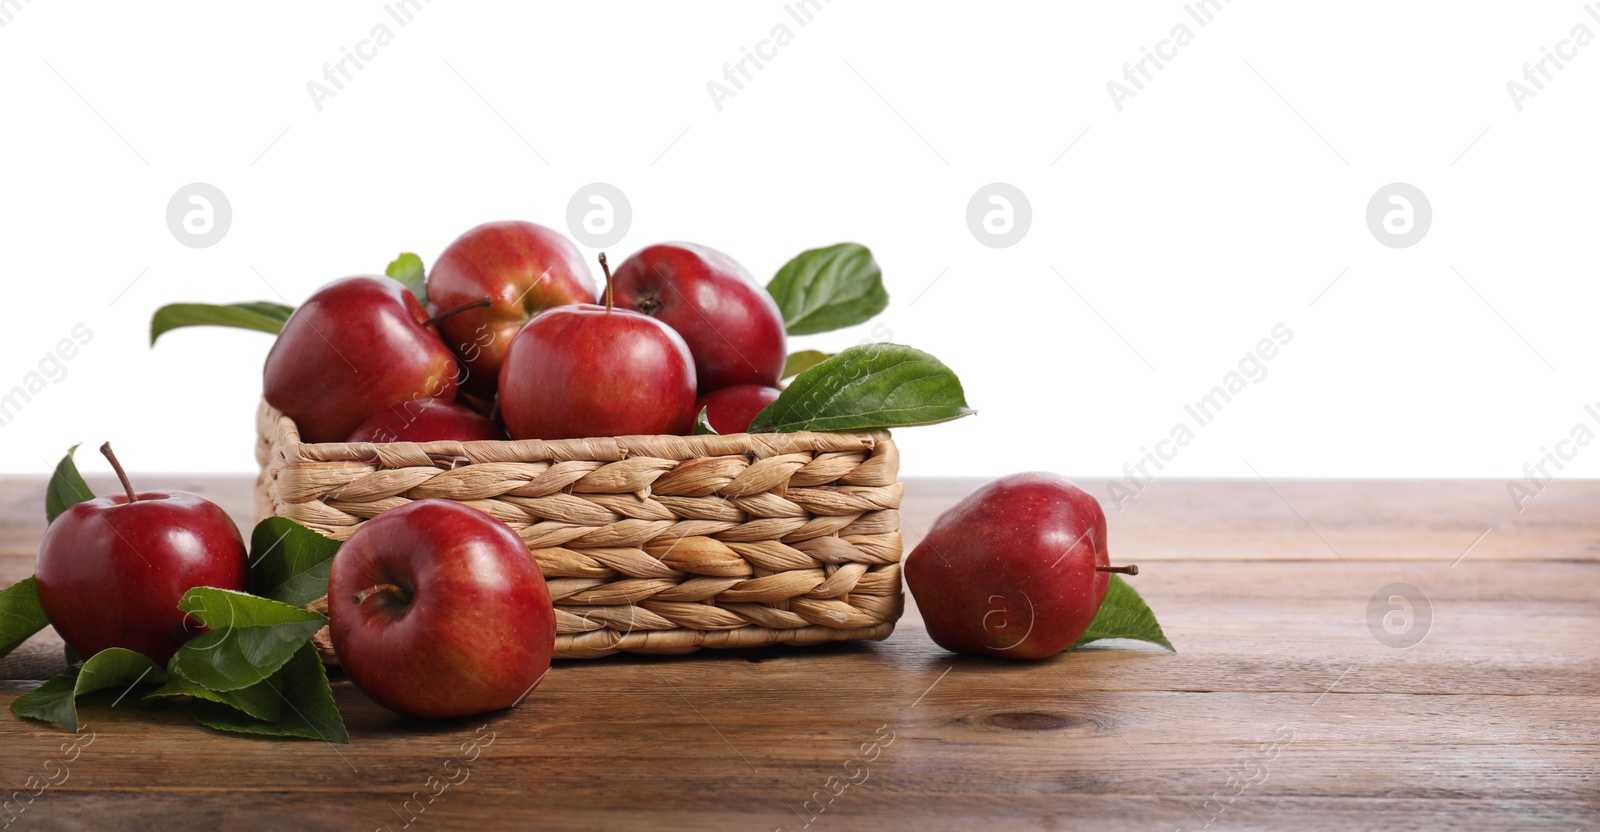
[111, 569]
[731, 324]
[437, 610]
[427, 420]
[352, 349]
[1017, 570]
[731, 409]
[587, 370]
[524, 268]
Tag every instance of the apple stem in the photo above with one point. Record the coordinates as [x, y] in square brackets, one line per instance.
[1130, 569]
[606, 267]
[121, 474]
[389, 588]
[477, 304]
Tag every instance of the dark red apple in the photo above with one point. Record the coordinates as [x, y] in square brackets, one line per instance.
[587, 370]
[730, 409]
[111, 569]
[731, 324]
[481, 406]
[437, 610]
[1017, 570]
[352, 349]
[524, 268]
[427, 420]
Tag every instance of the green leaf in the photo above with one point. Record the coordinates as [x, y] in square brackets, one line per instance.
[799, 362]
[702, 425]
[263, 316]
[259, 701]
[289, 562]
[113, 667]
[829, 288]
[1123, 614]
[20, 614]
[867, 388]
[66, 488]
[407, 268]
[308, 708]
[249, 638]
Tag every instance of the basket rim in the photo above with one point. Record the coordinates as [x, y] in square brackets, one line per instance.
[600, 448]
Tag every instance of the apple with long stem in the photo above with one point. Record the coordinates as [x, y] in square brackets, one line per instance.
[112, 569]
[588, 370]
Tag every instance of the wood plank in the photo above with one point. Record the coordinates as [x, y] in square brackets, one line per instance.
[1489, 722]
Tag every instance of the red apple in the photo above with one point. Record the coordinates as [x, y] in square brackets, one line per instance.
[111, 569]
[481, 406]
[426, 420]
[352, 349]
[524, 268]
[731, 324]
[587, 370]
[730, 409]
[437, 610]
[1017, 570]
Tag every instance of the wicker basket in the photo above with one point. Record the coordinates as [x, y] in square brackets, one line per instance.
[650, 544]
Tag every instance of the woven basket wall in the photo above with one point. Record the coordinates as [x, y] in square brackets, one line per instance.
[650, 544]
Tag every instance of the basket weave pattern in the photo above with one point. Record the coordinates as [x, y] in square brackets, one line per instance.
[649, 544]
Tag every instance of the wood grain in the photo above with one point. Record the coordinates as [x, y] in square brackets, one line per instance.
[1489, 723]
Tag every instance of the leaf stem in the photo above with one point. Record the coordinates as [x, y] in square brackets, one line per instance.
[121, 474]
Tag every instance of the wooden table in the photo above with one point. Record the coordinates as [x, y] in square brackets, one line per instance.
[1283, 708]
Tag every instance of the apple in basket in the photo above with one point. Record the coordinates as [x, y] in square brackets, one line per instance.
[731, 324]
[524, 269]
[587, 370]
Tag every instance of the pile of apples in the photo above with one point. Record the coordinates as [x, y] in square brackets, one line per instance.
[515, 341]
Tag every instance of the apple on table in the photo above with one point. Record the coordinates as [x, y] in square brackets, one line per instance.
[112, 569]
[1016, 570]
[437, 610]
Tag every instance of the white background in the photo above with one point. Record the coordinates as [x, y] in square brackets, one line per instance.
[1221, 200]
